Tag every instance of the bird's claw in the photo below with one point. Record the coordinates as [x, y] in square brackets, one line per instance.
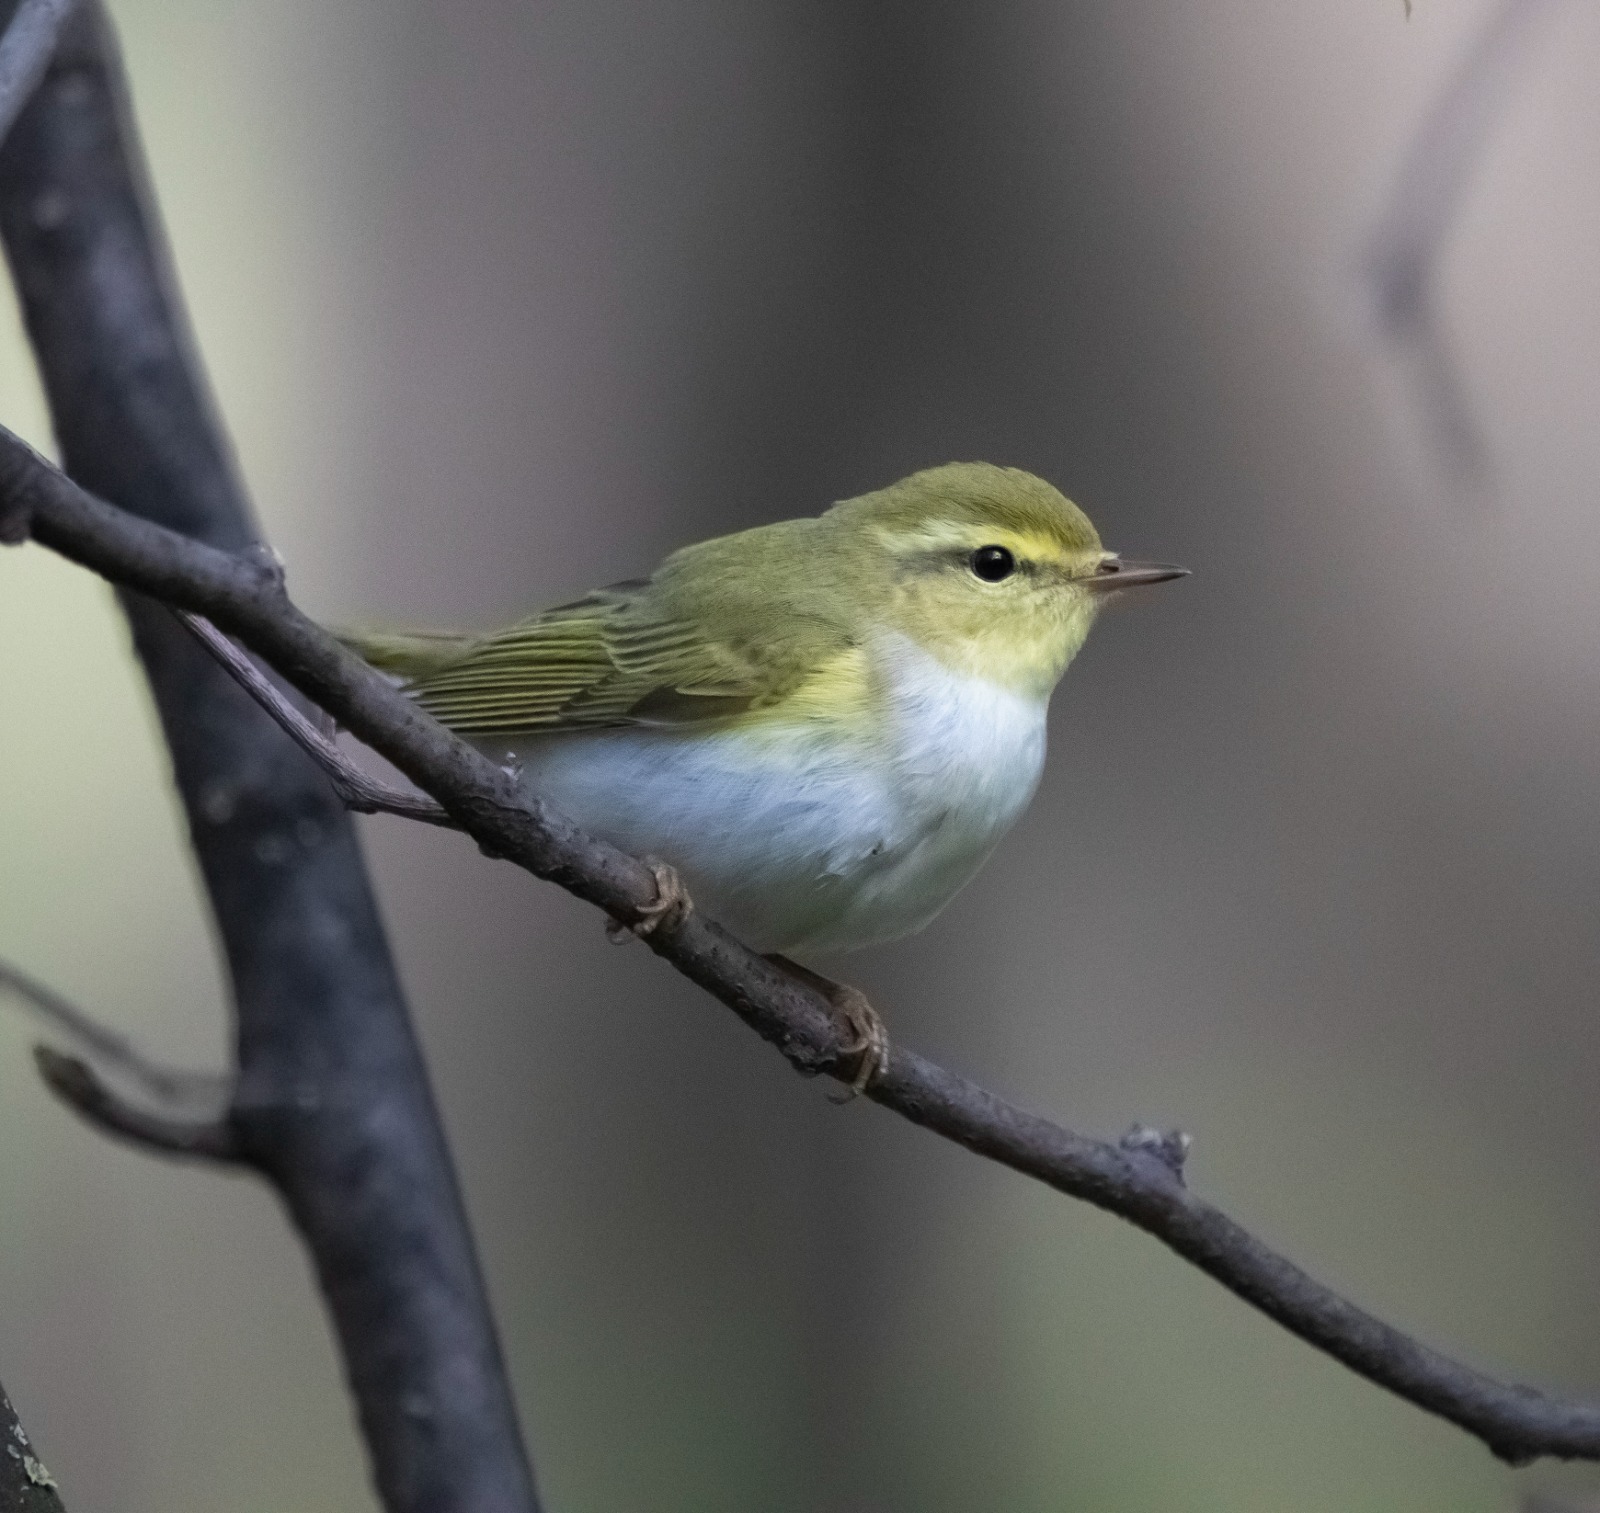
[667, 910]
[869, 1040]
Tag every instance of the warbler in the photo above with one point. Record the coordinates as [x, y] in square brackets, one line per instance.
[822, 727]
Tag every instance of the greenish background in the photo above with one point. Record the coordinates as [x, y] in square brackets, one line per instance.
[505, 298]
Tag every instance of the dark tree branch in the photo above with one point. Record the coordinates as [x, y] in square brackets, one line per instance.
[332, 1102]
[355, 789]
[25, 1485]
[1140, 1179]
[1407, 244]
[26, 48]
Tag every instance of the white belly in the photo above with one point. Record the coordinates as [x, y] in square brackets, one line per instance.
[801, 839]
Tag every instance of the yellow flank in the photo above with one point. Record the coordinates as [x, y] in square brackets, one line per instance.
[840, 691]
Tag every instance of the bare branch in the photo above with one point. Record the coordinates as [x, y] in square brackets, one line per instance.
[77, 1083]
[168, 1090]
[355, 789]
[170, 1111]
[1140, 1179]
[1405, 248]
[25, 52]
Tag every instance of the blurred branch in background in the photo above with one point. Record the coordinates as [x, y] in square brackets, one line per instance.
[1406, 246]
[26, 48]
[1140, 1179]
[331, 1101]
[165, 1086]
[184, 1113]
[25, 1485]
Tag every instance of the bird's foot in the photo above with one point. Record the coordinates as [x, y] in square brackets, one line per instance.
[667, 910]
[867, 1040]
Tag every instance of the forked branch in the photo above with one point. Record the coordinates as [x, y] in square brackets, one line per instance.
[356, 790]
[1139, 1179]
[1406, 245]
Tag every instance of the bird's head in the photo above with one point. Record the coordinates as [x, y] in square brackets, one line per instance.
[989, 569]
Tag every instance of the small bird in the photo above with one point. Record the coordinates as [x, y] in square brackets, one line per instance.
[817, 729]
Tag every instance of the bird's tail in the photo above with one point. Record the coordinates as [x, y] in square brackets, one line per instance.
[406, 654]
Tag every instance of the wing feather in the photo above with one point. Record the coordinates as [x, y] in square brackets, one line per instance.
[622, 656]
[643, 652]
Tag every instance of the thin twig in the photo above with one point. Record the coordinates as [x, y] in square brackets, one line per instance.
[1406, 245]
[26, 48]
[77, 1083]
[356, 790]
[173, 1112]
[1140, 1180]
[168, 1089]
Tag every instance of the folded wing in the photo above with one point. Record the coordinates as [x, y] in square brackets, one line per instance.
[620, 656]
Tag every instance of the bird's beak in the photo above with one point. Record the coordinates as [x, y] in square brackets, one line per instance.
[1114, 575]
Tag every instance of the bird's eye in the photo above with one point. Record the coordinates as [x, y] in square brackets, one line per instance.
[992, 563]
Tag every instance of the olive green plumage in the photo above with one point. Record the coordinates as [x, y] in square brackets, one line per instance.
[739, 623]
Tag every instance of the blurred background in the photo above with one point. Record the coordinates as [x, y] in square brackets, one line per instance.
[506, 298]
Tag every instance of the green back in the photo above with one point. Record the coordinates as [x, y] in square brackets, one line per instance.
[641, 652]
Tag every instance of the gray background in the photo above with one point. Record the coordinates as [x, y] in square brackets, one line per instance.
[504, 299]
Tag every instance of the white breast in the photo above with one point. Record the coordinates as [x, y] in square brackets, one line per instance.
[815, 840]
[965, 758]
